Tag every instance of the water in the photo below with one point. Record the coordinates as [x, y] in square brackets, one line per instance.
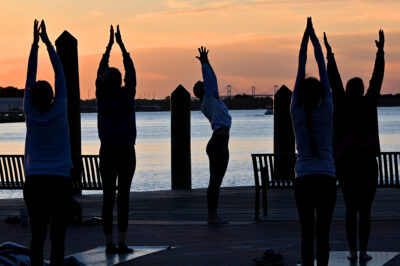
[251, 132]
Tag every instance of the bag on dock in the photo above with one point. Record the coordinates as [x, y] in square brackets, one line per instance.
[269, 258]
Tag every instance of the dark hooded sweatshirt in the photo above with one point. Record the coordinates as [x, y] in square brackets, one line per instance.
[356, 121]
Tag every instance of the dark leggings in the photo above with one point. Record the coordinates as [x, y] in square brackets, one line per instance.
[315, 193]
[47, 198]
[358, 183]
[116, 162]
[218, 155]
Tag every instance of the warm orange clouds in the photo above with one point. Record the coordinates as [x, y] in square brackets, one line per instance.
[253, 42]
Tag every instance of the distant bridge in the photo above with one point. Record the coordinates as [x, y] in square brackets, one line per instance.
[255, 96]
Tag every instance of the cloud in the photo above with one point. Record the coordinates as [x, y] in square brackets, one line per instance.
[187, 8]
[394, 16]
[361, 17]
[220, 4]
[183, 12]
[154, 76]
[96, 13]
[174, 4]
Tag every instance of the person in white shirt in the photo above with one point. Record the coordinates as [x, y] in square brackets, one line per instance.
[315, 183]
[47, 163]
[217, 148]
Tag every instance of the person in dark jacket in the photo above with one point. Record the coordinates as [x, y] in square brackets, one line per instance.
[117, 133]
[357, 145]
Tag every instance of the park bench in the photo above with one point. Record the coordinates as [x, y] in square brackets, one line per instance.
[265, 176]
[12, 175]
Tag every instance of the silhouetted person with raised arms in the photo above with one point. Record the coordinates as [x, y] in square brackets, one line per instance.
[315, 182]
[117, 133]
[47, 163]
[217, 148]
[357, 145]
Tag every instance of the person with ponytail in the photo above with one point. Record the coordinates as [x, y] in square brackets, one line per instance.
[217, 149]
[315, 182]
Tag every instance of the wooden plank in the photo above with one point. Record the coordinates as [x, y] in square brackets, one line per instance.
[2, 173]
[20, 164]
[98, 175]
[396, 169]
[380, 180]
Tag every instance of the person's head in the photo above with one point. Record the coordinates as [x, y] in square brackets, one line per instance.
[41, 95]
[311, 92]
[355, 88]
[111, 77]
[198, 89]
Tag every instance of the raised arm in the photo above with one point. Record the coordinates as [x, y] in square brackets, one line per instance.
[209, 77]
[375, 84]
[60, 85]
[319, 57]
[32, 65]
[106, 56]
[333, 73]
[301, 71]
[130, 73]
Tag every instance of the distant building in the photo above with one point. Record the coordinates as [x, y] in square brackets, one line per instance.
[11, 105]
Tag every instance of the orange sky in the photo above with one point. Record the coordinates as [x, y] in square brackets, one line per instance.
[253, 42]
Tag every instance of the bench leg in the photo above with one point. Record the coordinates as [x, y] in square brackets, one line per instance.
[257, 204]
[265, 206]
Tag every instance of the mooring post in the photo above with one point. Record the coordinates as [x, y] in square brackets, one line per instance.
[181, 173]
[284, 142]
[67, 50]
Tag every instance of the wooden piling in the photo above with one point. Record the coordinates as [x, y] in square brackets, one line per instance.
[67, 50]
[284, 141]
[180, 139]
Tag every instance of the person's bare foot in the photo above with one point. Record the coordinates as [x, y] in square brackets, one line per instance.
[353, 256]
[364, 256]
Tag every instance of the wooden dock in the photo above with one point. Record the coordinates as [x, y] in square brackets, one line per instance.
[236, 204]
[177, 218]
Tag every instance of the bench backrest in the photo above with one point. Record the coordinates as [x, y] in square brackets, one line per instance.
[11, 171]
[12, 174]
[265, 173]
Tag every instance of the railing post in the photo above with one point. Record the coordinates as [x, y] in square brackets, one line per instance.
[180, 139]
[67, 50]
[284, 143]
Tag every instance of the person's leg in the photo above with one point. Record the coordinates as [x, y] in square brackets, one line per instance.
[218, 154]
[370, 175]
[59, 215]
[350, 195]
[326, 198]
[108, 174]
[36, 204]
[126, 170]
[304, 195]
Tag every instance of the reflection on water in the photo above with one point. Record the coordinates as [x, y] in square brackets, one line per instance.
[251, 132]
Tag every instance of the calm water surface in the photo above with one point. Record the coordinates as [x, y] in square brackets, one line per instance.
[251, 132]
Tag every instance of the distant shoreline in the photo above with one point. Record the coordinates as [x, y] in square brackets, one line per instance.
[238, 102]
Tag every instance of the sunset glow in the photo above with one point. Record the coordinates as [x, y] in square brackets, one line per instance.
[252, 43]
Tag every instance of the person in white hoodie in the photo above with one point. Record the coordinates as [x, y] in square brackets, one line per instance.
[315, 183]
[217, 148]
[47, 163]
